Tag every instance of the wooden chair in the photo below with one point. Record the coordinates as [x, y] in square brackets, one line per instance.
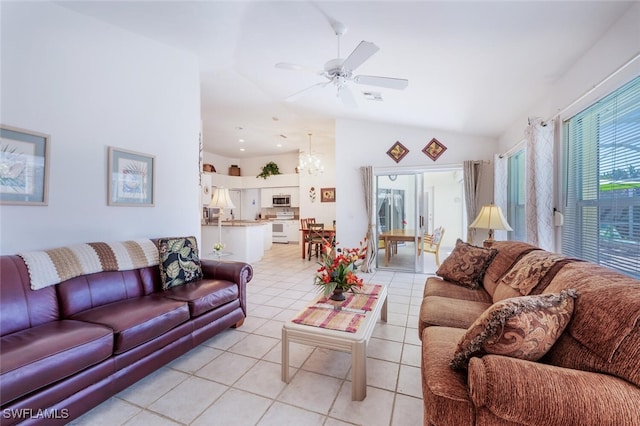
[431, 243]
[316, 238]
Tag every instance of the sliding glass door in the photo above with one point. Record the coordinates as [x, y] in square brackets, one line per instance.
[400, 221]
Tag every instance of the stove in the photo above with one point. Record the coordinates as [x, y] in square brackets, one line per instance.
[279, 227]
[286, 215]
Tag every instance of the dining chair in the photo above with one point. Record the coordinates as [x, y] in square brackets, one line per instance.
[431, 243]
[316, 238]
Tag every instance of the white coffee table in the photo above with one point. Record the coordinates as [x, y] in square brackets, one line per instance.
[355, 343]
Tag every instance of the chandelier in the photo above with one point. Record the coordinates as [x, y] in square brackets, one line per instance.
[309, 162]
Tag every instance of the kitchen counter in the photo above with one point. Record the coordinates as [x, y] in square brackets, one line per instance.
[244, 240]
[241, 223]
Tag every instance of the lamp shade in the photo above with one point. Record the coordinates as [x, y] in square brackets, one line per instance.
[221, 199]
[491, 217]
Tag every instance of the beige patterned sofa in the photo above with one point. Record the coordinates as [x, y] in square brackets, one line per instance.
[542, 340]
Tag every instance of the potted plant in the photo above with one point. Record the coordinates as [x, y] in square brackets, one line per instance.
[269, 169]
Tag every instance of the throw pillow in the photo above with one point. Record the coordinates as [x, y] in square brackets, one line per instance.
[534, 271]
[466, 264]
[521, 327]
[179, 261]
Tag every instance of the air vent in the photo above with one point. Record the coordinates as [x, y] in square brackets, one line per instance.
[372, 96]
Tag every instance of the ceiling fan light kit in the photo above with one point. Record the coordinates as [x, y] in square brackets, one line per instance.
[339, 71]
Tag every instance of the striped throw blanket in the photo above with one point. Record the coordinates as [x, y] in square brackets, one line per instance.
[54, 266]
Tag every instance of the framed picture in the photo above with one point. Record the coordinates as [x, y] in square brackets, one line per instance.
[397, 151]
[131, 178]
[328, 195]
[434, 149]
[24, 166]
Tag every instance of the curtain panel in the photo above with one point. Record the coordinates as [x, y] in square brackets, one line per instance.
[539, 138]
[368, 265]
[500, 189]
[471, 171]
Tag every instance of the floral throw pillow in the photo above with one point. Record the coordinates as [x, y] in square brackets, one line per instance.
[523, 327]
[179, 261]
[534, 271]
[466, 264]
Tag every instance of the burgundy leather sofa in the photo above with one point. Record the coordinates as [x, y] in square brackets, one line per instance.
[68, 347]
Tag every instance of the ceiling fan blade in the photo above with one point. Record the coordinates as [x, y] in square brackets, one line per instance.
[360, 54]
[388, 82]
[346, 96]
[303, 92]
[296, 67]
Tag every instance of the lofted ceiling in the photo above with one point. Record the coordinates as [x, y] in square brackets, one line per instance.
[473, 67]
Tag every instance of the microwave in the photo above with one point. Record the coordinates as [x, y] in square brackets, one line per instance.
[281, 201]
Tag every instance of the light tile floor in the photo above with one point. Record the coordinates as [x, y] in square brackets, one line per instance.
[234, 378]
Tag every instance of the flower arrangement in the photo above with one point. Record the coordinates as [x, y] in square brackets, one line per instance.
[218, 246]
[337, 270]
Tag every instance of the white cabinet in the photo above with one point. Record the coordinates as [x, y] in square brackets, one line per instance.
[295, 196]
[266, 197]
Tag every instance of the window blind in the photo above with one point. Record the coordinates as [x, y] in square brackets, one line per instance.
[602, 182]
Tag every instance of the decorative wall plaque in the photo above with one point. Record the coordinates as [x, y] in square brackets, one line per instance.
[397, 151]
[434, 149]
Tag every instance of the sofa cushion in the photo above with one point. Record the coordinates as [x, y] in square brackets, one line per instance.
[204, 295]
[446, 397]
[438, 287]
[466, 264]
[447, 312]
[522, 327]
[179, 261]
[41, 355]
[605, 328]
[533, 272]
[509, 252]
[135, 321]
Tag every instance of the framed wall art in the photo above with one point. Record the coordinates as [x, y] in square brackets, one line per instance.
[328, 195]
[131, 178]
[397, 151]
[24, 166]
[434, 149]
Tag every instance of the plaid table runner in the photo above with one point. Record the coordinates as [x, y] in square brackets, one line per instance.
[329, 318]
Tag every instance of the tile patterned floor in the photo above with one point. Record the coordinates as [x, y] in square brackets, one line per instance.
[234, 378]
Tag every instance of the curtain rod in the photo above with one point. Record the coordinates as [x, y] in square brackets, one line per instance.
[518, 146]
[594, 88]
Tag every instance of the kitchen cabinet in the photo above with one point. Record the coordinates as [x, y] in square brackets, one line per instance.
[295, 196]
[266, 195]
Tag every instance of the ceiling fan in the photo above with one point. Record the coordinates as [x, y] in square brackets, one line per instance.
[340, 71]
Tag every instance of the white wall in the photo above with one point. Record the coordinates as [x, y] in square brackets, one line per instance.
[361, 143]
[90, 85]
[617, 47]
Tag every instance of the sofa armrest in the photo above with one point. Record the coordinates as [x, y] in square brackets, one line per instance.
[238, 272]
[526, 392]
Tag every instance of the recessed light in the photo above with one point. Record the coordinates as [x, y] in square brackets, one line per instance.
[240, 140]
[242, 149]
[279, 145]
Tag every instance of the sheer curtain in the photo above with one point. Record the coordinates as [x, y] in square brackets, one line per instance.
[539, 184]
[472, 171]
[368, 265]
[500, 188]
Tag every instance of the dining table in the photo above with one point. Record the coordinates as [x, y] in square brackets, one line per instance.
[328, 233]
[391, 237]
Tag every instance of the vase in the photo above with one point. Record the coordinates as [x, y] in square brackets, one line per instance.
[338, 295]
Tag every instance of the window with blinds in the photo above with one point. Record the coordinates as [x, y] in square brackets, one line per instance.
[602, 182]
[516, 196]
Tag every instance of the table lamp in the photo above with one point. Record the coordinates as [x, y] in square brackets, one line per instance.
[221, 200]
[490, 218]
